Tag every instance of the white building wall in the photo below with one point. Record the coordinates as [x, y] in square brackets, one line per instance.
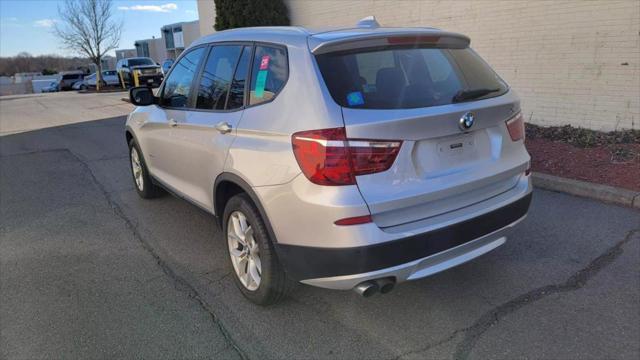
[191, 32]
[207, 16]
[573, 62]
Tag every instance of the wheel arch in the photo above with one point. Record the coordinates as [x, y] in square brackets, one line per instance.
[128, 135]
[226, 186]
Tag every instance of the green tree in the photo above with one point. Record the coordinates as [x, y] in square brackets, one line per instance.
[243, 13]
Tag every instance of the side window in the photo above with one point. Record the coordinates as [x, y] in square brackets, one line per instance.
[236, 95]
[270, 71]
[178, 85]
[216, 76]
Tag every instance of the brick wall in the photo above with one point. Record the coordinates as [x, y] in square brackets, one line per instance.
[572, 61]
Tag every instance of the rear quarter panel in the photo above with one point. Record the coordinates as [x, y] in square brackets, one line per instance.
[262, 153]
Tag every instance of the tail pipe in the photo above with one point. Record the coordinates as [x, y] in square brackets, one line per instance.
[370, 287]
[386, 285]
[366, 288]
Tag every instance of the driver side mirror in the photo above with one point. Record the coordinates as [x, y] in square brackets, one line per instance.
[142, 96]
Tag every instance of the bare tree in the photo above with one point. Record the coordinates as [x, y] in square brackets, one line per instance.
[88, 27]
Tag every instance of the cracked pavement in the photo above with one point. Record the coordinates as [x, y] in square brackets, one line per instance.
[89, 270]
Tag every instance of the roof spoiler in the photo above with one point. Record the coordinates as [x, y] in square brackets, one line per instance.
[412, 37]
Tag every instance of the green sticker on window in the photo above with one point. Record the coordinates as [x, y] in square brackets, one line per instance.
[261, 80]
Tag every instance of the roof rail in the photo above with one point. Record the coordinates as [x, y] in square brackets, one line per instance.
[368, 22]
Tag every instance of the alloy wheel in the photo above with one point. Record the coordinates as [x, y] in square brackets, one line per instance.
[136, 166]
[244, 251]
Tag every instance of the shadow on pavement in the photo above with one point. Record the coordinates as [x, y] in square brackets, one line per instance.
[88, 269]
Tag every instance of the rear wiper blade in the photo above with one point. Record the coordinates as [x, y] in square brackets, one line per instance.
[464, 95]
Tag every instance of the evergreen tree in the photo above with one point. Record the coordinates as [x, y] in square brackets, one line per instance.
[243, 13]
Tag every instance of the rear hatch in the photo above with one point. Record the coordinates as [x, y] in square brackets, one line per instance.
[447, 106]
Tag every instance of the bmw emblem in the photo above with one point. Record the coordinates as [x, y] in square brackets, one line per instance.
[466, 121]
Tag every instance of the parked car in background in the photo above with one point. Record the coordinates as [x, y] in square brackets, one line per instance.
[147, 71]
[54, 86]
[80, 85]
[69, 78]
[350, 159]
[109, 78]
[166, 66]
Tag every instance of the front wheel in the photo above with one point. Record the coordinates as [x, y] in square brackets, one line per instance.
[257, 272]
[141, 178]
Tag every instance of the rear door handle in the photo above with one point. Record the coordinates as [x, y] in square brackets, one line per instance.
[223, 127]
[173, 123]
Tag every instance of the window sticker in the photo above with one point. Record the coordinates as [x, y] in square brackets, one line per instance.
[355, 98]
[261, 80]
[264, 63]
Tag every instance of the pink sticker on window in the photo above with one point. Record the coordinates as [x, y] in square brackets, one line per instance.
[264, 63]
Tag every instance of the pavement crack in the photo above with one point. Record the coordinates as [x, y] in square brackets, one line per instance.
[575, 282]
[490, 318]
[35, 152]
[179, 283]
[108, 158]
[433, 344]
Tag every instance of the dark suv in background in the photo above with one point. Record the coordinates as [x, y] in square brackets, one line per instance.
[69, 78]
[148, 72]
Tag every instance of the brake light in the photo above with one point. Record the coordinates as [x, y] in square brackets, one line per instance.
[328, 157]
[515, 125]
[416, 39]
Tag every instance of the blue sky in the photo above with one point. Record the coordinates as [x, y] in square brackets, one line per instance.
[26, 25]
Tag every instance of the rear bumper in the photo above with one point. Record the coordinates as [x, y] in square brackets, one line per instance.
[407, 258]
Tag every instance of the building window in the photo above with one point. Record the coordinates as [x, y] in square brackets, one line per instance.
[168, 38]
[142, 49]
[178, 39]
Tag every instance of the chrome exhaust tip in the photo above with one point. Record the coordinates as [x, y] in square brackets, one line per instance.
[366, 288]
[386, 285]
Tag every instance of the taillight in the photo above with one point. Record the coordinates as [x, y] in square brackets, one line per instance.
[327, 157]
[515, 125]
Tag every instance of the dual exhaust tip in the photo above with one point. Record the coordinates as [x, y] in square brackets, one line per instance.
[370, 287]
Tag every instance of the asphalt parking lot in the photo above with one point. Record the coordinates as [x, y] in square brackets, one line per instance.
[90, 270]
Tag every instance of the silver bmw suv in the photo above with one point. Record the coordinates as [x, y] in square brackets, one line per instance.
[352, 158]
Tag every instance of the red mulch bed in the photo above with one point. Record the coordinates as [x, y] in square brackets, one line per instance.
[616, 165]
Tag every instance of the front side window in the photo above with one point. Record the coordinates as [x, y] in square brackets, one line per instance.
[269, 73]
[216, 77]
[178, 85]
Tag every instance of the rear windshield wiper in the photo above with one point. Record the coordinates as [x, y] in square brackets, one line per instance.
[464, 95]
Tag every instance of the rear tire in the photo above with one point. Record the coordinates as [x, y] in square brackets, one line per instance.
[254, 264]
[141, 179]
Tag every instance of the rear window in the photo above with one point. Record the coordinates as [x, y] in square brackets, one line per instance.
[71, 76]
[402, 78]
